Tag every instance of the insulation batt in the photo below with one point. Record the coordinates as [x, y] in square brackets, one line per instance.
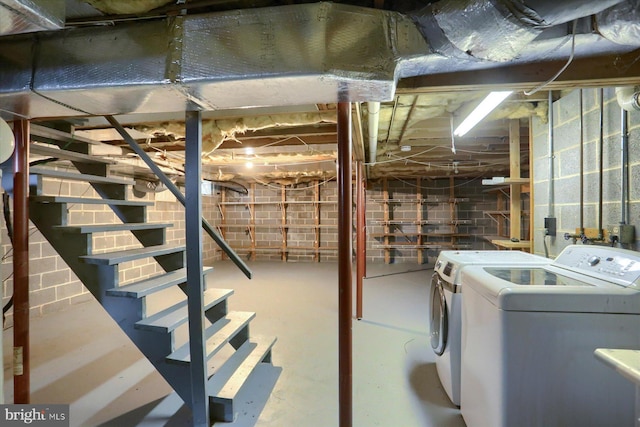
[215, 132]
[127, 7]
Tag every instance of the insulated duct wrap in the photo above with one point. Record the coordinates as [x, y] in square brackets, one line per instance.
[315, 53]
[621, 23]
[25, 16]
[495, 30]
[451, 33]
[280, 56]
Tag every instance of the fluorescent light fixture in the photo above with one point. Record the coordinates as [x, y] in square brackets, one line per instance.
[480, 112]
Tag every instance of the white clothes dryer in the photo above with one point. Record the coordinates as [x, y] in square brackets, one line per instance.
[529, 335]
[446, 305]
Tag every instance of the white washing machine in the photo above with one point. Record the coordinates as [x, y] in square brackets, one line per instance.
[446, 305]
[529, 335]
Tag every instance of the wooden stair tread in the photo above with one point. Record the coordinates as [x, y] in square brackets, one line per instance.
[174, 316]
[98, 228]
[154, 284]
[45, 150]
[225, 384]
[82, 200]
[117, 257]
[55, 173]
[216, 336]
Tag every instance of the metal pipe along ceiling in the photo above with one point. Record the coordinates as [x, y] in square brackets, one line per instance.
[286, 55]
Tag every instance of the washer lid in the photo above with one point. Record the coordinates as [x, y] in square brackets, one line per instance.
[545, 289]
[450, 263]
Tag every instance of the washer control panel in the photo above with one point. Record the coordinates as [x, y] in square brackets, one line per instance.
[614, 264]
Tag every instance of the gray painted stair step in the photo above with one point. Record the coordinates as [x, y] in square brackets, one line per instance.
[45, 134]
[54, 173]
[86, 201]
[225, 384]
[153, 284]
[216, 335]
[112, 258]
[169, 319]
[45, 150]
[99, 228]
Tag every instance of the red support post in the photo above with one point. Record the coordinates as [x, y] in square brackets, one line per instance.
[344, 266]
[21, 353]
[361, 250]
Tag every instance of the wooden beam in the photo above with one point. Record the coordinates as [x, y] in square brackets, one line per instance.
[514, 172]
[358, 138]
[609, 70]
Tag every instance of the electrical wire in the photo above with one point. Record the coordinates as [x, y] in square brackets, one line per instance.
[573, 50]
[436, 188]
[266, 184]
[403, 158]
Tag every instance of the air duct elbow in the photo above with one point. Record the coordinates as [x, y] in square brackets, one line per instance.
[628, 98]
[620, 23]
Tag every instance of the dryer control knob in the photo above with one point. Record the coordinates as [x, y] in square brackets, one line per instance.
[593, 260]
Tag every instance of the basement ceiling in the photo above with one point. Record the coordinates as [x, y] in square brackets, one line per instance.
[296, 141]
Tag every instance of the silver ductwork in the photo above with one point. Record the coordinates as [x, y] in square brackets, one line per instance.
[25, 16]
[287, 55]
[620, 24]
[508, 26]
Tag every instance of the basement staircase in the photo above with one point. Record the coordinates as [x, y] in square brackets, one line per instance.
[232, 353]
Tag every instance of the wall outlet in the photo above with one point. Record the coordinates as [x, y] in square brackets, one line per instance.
[626, 233]
[550, 226]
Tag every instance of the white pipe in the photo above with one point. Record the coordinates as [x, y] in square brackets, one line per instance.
[373, 113]
[628, 98]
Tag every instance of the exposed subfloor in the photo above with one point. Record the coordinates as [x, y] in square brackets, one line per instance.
[80, 357]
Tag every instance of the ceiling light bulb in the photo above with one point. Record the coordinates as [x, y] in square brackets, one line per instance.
[481, 111]
[405, 148]
[249, 165]
[249, 150]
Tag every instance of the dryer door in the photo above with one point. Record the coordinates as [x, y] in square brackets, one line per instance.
[439, 319]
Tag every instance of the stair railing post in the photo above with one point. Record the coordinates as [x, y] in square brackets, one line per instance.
[21, 352]
[195, 286]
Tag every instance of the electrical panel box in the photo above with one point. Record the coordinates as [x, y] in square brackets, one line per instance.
[626, 233]
[550, 226]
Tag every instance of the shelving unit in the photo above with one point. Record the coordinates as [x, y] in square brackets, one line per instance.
[510, 190]
[253, 228]
[411, 230]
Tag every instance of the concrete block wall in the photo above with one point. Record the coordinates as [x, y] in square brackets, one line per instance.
[440, 213]
[53, 285]
[299, 217]
[563, 202]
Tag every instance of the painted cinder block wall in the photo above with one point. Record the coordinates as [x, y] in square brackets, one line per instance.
[475, 202]
[565, 177]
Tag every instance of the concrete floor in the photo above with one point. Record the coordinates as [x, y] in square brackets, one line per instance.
[80, 357]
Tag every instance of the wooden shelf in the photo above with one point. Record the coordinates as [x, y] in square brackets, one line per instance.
[423, 201]
[259, 231]
[288, 202]
[415, 236]
[508, 244]
[507, 181]
[304, 226]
